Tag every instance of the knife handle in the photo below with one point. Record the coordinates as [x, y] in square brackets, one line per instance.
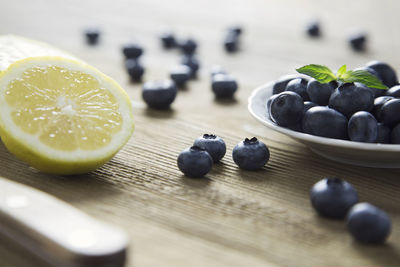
[57, 232]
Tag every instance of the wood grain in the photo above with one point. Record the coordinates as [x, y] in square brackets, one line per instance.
[231, 217]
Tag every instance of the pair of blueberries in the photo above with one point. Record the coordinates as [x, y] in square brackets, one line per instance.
[357, 40]
[337, 199]
[196, 161]
[132, 53]
[347, 111]
[169, 41]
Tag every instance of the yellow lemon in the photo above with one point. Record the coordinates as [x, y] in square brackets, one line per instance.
[61, 115]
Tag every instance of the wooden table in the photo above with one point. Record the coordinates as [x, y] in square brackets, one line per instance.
[231, 217]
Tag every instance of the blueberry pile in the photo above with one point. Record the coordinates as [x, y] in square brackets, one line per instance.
[188, 48]
[159, 94]
[222, 84]
[348, 111]
[132, 53]
[337, 199]
[231, 41]
[196, 161]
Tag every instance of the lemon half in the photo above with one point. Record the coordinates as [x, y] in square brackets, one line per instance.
[61, 115]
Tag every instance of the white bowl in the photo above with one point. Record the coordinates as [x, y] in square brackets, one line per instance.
[348, 152]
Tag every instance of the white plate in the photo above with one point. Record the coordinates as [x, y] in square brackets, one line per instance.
[349, 152]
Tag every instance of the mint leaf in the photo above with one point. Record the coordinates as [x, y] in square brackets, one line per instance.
[364, 77]
[319, 72]
[341, 71]
[324, 75]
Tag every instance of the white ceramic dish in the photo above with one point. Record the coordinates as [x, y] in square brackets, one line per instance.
[348, 152]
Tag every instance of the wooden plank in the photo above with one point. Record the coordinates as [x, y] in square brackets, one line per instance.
[232, 217]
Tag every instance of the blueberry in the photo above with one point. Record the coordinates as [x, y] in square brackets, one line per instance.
[377, 92]
[132, 50]
[217, 70]
[280, 85]
[297, 127]
[349, 98]
[250, 154]
[308, 105]
[287, 109]
[135, 69]
[383, 134]
[313, 29]
[298, 86]
[223, 86]
[188, 47]
[378, 103]
[319, 93]
[159, 94]
[213, 144]
[231, 42]
[168, 40]
[358, 41]
[363, 127]
[192, 62]
[386, 73]
[395, 134]
[390, 112]
[180, 74]
[268, 105]
[368, 224]
[194, 162]
[394, 91]
[92, 36]
[325, 122]
[333, 197]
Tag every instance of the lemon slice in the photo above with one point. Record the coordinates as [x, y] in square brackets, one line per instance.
[61, 115]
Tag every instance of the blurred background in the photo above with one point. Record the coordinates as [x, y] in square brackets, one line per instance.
[274, 39]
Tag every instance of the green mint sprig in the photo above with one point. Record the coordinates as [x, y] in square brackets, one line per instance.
[324, 75]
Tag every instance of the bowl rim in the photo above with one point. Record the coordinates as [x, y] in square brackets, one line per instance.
[313, 138]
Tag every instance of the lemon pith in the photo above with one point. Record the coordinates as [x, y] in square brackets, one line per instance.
[62, 116]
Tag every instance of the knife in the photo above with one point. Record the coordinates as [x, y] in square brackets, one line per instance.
[55, 231]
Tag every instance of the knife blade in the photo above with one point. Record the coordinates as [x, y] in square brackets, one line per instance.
[57, 232]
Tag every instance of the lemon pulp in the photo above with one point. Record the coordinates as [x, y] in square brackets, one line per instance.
[66, 109]
[61, 115]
